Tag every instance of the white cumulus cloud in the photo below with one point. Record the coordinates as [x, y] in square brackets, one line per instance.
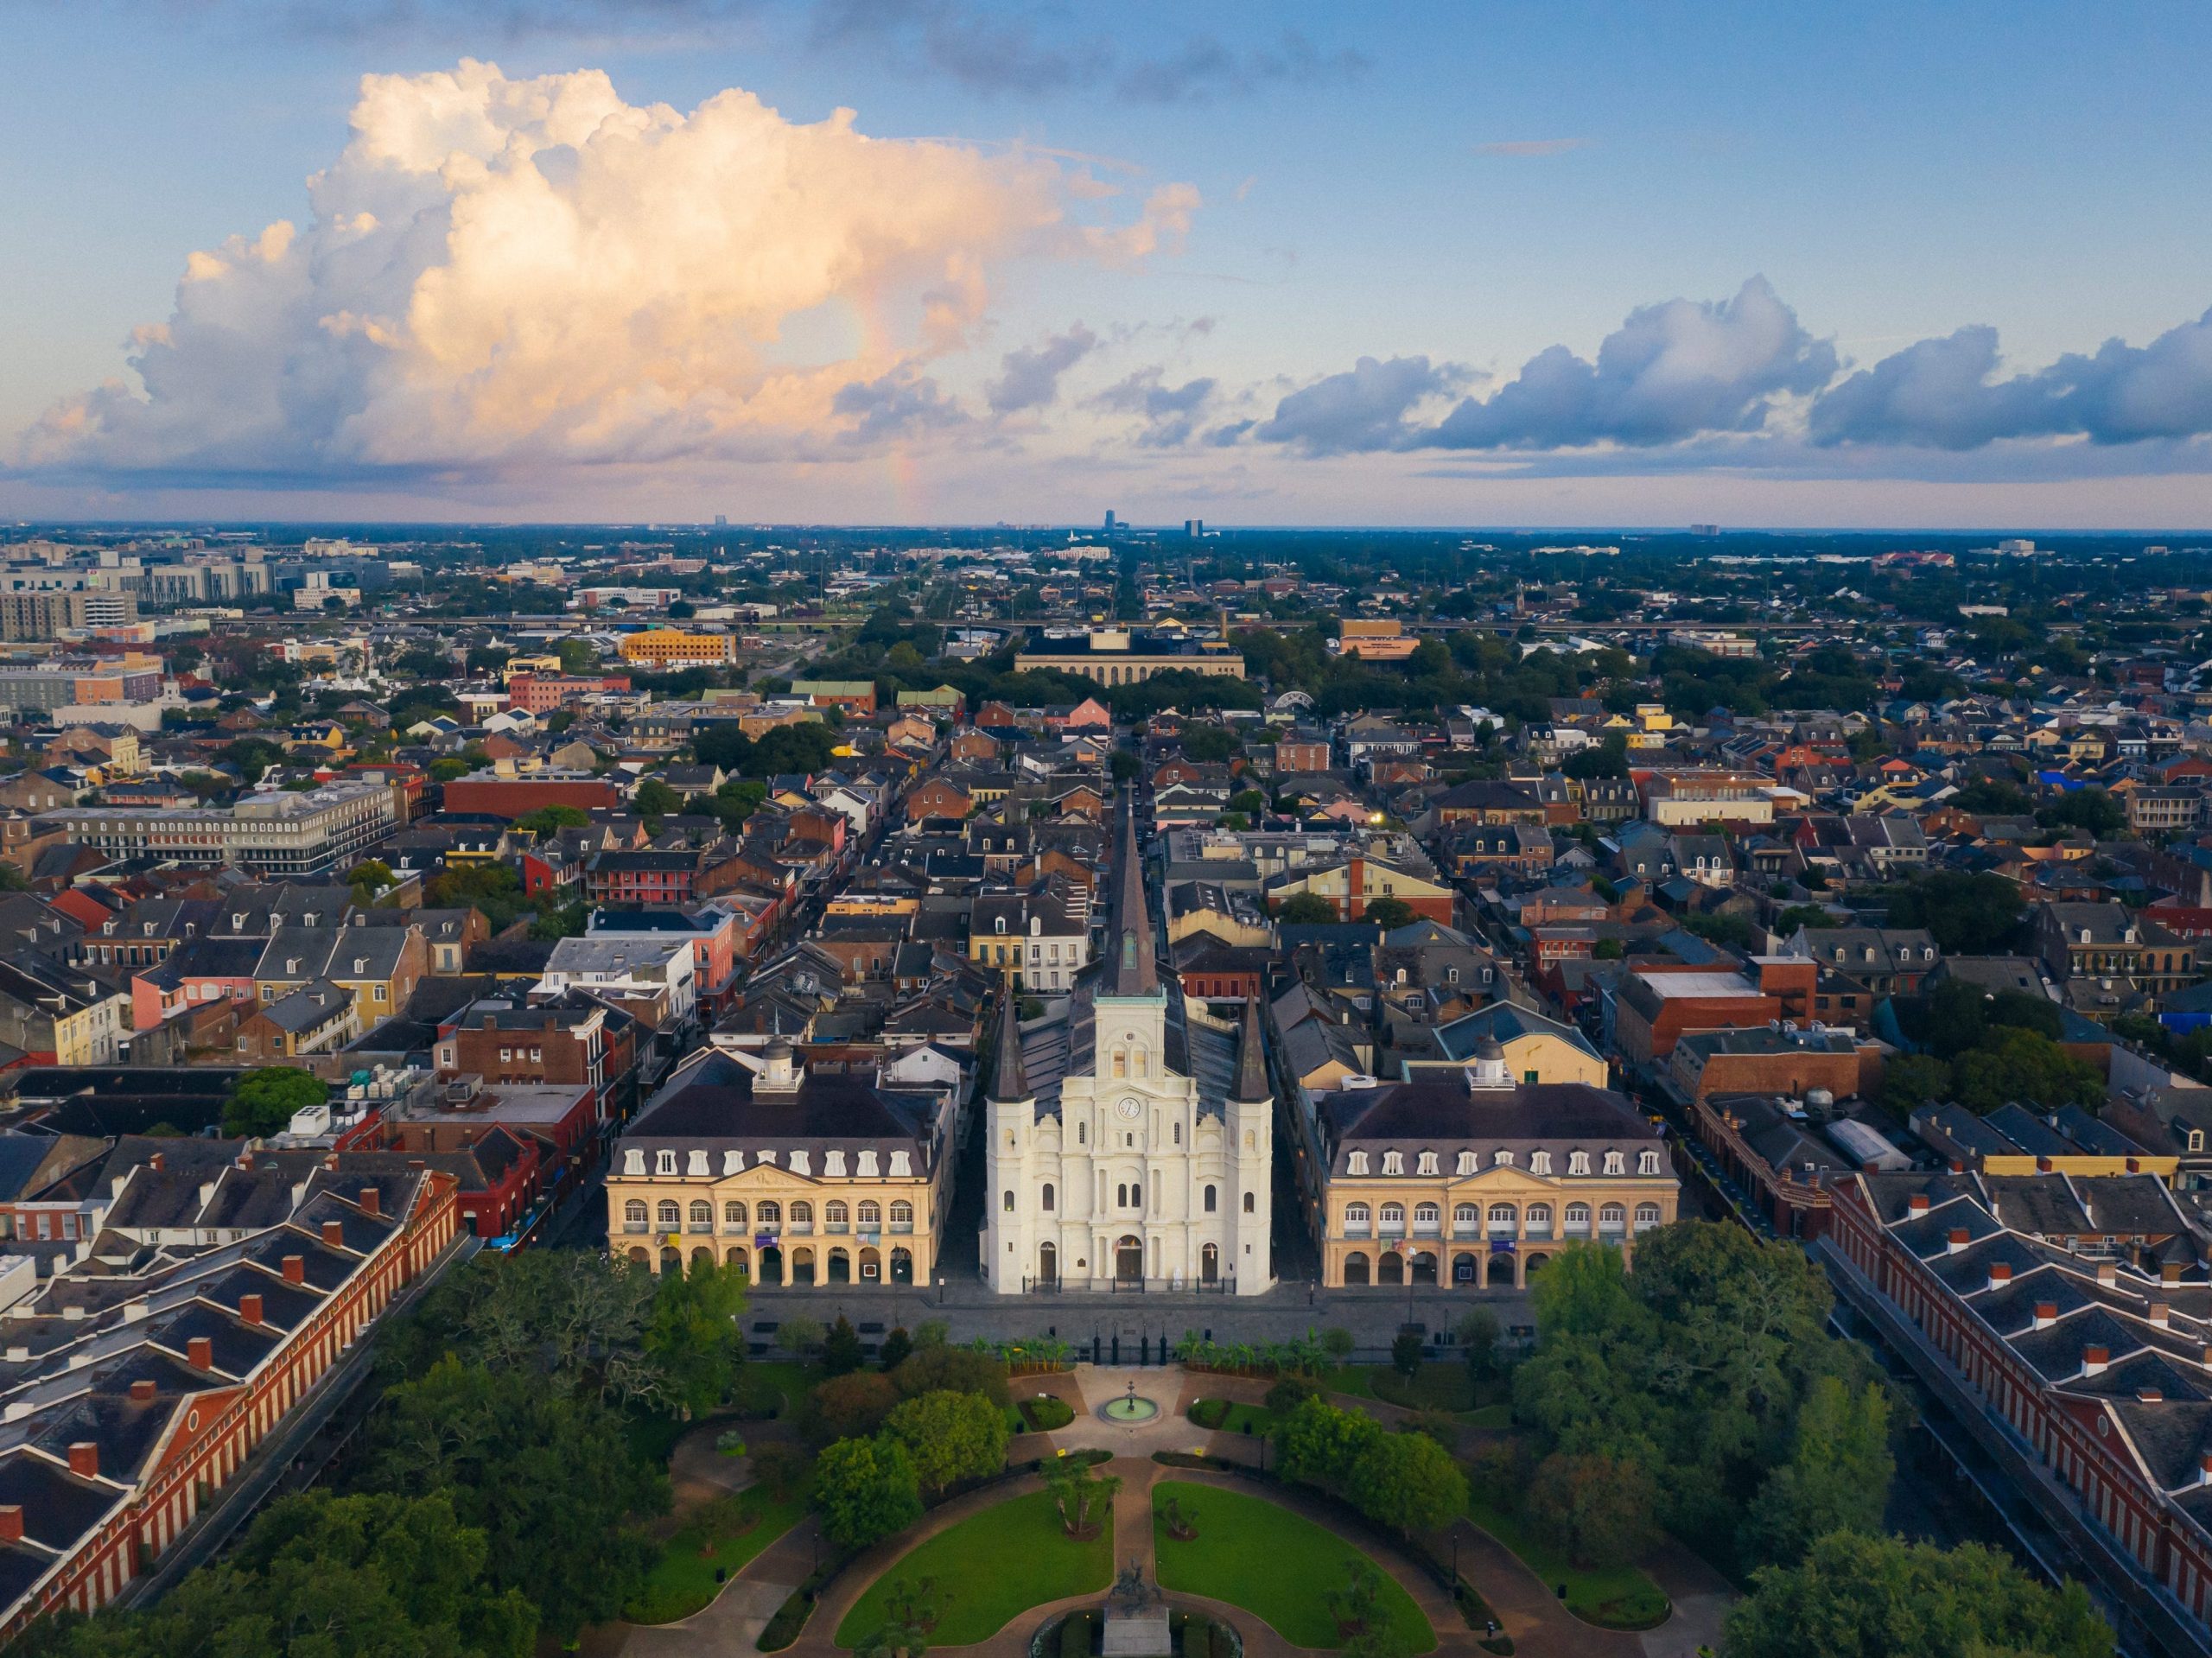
[502, 273]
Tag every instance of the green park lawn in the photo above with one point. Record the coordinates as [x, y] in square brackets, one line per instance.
[1618, 1598]
[1277, 1564]
[1228, 1416]
[683, 1579]
[760, 1380]
[988, 1568]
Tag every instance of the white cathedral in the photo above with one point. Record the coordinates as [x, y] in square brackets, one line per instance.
[1132, 1134]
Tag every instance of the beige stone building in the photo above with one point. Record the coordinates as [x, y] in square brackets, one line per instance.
[1477, 1181]
[798, 1177]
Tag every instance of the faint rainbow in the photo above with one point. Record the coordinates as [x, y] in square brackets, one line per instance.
[879, 343]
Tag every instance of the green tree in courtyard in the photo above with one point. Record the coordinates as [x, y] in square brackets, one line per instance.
[865, 1488]
[950, 1436]
[1408, 1482]
[1306, 909]
[692, 1335]
[263, 1102]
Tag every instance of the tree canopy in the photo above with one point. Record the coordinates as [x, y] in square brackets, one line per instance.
[263, 1102]
[1852, 1594]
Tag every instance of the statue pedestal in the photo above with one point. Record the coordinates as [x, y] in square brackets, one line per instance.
[1136, 1635]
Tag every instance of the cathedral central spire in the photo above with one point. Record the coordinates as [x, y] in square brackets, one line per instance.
[1130, 967]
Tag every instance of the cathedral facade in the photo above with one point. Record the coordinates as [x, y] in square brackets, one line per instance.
[1132, 1134]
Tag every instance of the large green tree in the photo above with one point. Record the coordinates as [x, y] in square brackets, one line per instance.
[1408, 1482]
[1693, 1368]
[950, 1436]
[1836, 1478]
[547, 1475]
[692, 1335]
[1322, 1444]
[865, 1488]
[1597, 1508]
[1860, 1597]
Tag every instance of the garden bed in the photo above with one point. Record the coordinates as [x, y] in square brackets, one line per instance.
[1277, 1565]
[1232, 1416]
[987, 1569]
[1043, 1413]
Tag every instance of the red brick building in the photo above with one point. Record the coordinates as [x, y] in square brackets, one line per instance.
[2077, 1350]
[498, 796]
[543, 693]
[135, 1415]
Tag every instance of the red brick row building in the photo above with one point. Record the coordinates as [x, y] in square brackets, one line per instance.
[134, 1397]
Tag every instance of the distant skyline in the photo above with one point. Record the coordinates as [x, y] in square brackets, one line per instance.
[939, 261]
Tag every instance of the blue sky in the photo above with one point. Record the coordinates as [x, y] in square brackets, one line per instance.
[1128, 257]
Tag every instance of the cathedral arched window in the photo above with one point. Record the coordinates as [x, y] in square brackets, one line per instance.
[1210, 1200]
[1121, 1063]
[1249, 1206]
[1008, 1205]
[1047, 1198]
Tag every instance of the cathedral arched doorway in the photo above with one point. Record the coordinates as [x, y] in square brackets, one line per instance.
[1128, 1263]
[1424, 1267]
[802, 1265]
[1536, 1264]
[1048, 1267]
[1463, 1270]
[1356, 1269]
[871, 1265]
[701, 1259]
[902, 1266]
[641, 1256]
[1210, 1264]
[670, 1261]
[1391, 1269]
[739, 1257]
[841, 1267]
[771, 1265]
[1500, 1275]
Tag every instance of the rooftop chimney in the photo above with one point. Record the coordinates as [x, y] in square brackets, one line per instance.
[372, 1201]
[1957, 1167]
[2149, 1396]
[2135, 1165]
[11, 1522]
[2108, 1274]
[1917, 1204]
[2204, 1469]
[333, 1234]
[158, 1161]
[2046, 1314]
[250, 1308]
[1960, 1239]
[2043, 1165]
[2001, 1274]
[142, 1390]
[85, 1459]
[2169, 1272]
[2094, 1360]
[296, 1269]
[2160, 1315]
[199, 1353]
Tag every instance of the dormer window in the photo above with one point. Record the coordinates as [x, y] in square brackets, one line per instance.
[1466, 1163]
[998, 925]
[664, 1162]
[1614, 1163]
[1647, 1163]
[1578, 1162]
[1540, 1162]
[1357, 1163]
[1502, 1159]
[1393, 1163]
[1427, 1164]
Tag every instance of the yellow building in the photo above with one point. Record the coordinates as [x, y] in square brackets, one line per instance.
[665, 646]
[1536, 1049]
[1478, 1182]
[796, 1179]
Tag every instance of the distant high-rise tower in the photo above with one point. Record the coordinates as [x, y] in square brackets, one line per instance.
[1112, 523]
[722, 520]
[1194, 527]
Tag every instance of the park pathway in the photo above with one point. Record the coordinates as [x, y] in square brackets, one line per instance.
[1523, 1604]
